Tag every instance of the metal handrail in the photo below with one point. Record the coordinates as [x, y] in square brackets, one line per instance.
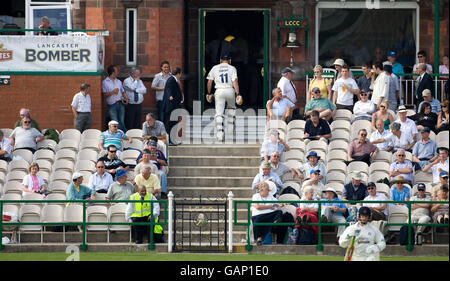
[319, 246]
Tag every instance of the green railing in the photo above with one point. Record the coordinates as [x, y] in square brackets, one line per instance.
[320, 224]
[84, 223]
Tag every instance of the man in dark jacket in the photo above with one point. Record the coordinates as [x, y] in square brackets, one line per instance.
[424, 82]
[172, 98]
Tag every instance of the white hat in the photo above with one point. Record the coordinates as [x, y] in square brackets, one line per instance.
[401, 108]
[77, 175]
[113, 122]
[331, 190]
[339, 62]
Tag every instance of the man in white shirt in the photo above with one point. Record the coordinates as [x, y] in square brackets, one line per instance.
[5, 147]
[380, 85]
[286, 85]
[422, 57]
[158, 85]
[278, 107]
[81, 108]
[101, 180]
[420, 212]
[408, 126]
[344, 89]
[381, 133]
[135, 90]
[439, 165]
[112, 89]
[364, 108]
[379, 210]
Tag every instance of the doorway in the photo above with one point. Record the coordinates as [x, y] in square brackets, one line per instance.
[247, 32]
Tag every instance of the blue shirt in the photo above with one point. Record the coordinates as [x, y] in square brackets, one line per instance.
[274, 177]
[116, 138]
[425, 150]
[400, 195]
[269, 147]
[340, 205]
[397, 68]
[83, 193]
[435, 106]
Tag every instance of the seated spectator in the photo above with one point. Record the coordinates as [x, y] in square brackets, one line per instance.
[313, 163]
[324, 106]
[316, 128]
[278, 167]
[428, 98]
[344, 89]
[149, 180]
[145, 162]
[25, 137]
[320, 83]
[274, 143]
[112, 161]
[407, 125]
[267, 175]
[424, 151]
[397, 139]
[364, 108]
[401, 167]
[100, 181]
[152, 127]
[314, 183]
[443, 117]
[279, 107]
[361, 149]
[355, 190]
[400, 192]
[264, 212]
[113, 136]
[440, 211]
[379, 210]
[33, 183]
[381, 133]
[77, 191]
[425, 118]
[307, 212]
[121, 189]
[384, 115]
[333, 212]
[5, 148]
[420, 212]
[439, 165]
[443, 184]
[157, 158]
[24, 112]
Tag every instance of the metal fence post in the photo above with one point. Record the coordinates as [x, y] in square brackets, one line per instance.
[1, 226]
[170, 230]
[83, 245]
[230, 222]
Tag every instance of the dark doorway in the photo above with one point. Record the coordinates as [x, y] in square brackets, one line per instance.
[247, 28]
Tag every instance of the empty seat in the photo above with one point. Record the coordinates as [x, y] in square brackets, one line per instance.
[85, 165]
[379, 167]
[16, 176]
[316, 145]
[44, 175]
[336, 165]
[25, 154]
[55, 196]
[378, 175]
[383, 188]
[340, 134]
[383, 156]
[296, 124]
[100, 196]
[71, 134]
[90, 144]
[33, 197]
[61, 175]
[296, 144]
[335, 176]
[73, 213]
[135, 144]
[12, 197]
[91, 134]
[68, 144]
[288, 197]
[6, 132]
[293, 164]
[277, 125]
[66, 154]
[338, 155]
[13, 187]
[116, 214]
[12, 210]
[130, 154]
[47, 144]
[97, 214]
[397, 214]
[358, 166]
[422, 177]
[135, 134]
[343, 114]
[29, 214]
[88, 154]
[18, 165]
[295, 134]
[340, 125]
[293, 155]
[86, 176]
[51, 214]
[442, 139]
[58, 187]
[3, 166]
[44, 154]
[44, 165]
[338, 145]
[63, 165]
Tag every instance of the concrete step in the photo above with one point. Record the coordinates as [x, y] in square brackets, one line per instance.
[231, 161]
[216, 171]
[206, 182]
[210, 192]
[215, 150]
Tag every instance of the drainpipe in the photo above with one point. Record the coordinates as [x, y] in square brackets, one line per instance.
[436, 36]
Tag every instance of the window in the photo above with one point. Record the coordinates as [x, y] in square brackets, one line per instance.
[57, 11]
[131, 36]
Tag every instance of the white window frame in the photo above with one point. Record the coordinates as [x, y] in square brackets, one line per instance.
[413, 5]
[133, 35]
[30, 6]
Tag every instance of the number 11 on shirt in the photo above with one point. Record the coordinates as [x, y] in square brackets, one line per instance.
[224, 77]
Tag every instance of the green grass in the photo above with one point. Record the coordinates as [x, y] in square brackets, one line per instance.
[147, 256]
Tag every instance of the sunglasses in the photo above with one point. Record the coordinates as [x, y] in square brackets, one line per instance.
[364, 95]
[420, 56]
[26, 122]
[113, 151]
[401, 155]
[275, 156]
[317, 92]
[363, 135]
[369, 188]
[443, 106]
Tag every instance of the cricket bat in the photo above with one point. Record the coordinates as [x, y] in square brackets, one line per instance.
[349, 252]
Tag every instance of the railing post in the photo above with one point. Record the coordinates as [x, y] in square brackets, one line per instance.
[1, 226]
[170, 227]
[248, 247]
[230, 222]
[319, 246]
[83, 245]
[409, 246]
[151, 243]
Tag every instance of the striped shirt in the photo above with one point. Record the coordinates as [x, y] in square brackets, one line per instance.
[116, 138]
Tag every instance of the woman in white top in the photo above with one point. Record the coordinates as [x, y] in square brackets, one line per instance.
[33, 183]
[307, 212]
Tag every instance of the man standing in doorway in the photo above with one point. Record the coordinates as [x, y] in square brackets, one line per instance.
[81, 108]
[288, 89]
[113, 91]
[135, 89]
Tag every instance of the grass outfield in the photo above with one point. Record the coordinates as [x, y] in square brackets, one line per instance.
[145, 256]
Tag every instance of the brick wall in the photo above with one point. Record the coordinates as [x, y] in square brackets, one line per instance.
[48, 97]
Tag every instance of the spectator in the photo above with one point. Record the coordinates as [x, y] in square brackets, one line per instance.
[24, 112]
[364, 108]
[393, 93]
[424, 151]
[113, 90]
[361, 150]
[397, 67]
[141, 212]
[135, 91]
[307, 212]
[355, 190]
[314, 183]
[324, 106]
[264, 212]
[338, 65]
[323, 84]
[278, 167]
[267, 175]
[434, 103]
[316, 128]
[420, 212]
[81, 108]
[100, 181]
[278, 107]
[407, 125]
[399, 191]
[77, 191]
[425, 81]
[379, 210]
[172, 99]
[33, 183]
[149, 180]
[384, 115]
[313, 163]
[121, 189]
[157, 158]
[287, 87]
[333, 212]
[158, 85]
[422, 57]
[152, 127]
[380, 85]
[381, 133]
[344, 89]
[45, 24]
[401, 167]
[113, 136]
[440, 211]
[425, 118]
[443, 117]
[443, 183]
[146, 163]
[443, 68]
[397, 139]
[366, 79]
[274, 143]
[5, 148]
[112, 161]
[25, 137]
[439, 165]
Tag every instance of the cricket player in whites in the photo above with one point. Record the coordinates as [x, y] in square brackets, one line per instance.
[225, 78]
[363, 241]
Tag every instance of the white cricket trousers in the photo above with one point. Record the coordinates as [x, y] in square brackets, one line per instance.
[222, 96]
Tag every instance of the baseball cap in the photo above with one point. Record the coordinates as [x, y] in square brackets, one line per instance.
[443, 174]
[287, 70]
[391, 54]
[421, 186]
[401, 108]
[265, 165]
[425, 130]
[314, 171]
[371, 184]
[120, 173]
[315, 89]
[225, 56]
[274, 132]
[152, 143]
[113, 122]
[77, 175]
[426, 93]
[339, 62]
